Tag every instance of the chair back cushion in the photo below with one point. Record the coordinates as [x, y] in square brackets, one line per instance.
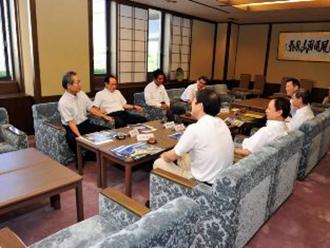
[244, 81]
[259, 82]
[4, 119]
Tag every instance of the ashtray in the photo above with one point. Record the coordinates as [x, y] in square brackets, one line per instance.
[152, 141]
[120, 136]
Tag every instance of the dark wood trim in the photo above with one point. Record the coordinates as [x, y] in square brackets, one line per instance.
[214, 50]
[269, 40]
[125, 201]
[9, 87]
[226, 62]
[188, 183]
[91, 45]
[34, 27]
[19, 48]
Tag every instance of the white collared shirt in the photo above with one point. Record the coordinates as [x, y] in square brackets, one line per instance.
[189, 93]
[154, 95]
[265, 135]
[210, 146]
[109, 101]
[74, 107]
[303, 114]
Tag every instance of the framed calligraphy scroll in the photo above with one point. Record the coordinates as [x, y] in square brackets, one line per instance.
[304, 46]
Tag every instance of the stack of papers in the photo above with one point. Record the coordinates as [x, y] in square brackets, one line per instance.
[101, 137]
[176, 135]
[135, 151]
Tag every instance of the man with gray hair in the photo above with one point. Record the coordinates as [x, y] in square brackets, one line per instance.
[73, 107]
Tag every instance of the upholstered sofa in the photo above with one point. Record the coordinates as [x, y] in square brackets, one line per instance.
[325, 143]
[120, 224]
[243, 197]
[234, 208]
[11, 139]
[313, 132]
[153, 113]
[50, 134]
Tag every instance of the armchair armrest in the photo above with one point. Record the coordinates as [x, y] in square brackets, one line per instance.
[57, 126]
[14, 136]
[9, 239]
[126, 202]
[188, 183]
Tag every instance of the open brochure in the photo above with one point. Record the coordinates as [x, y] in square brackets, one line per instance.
[234, 121]
[176, 135]
[143, 128]
[101, 137]
[136, 151]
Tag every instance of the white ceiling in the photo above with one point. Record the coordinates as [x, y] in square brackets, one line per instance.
[227, 13]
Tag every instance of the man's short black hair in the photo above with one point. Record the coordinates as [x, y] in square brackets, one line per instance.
[283, 104]
[210, 100]
[305, 95]
[67, 78]
[204, 78]
[107, 78]
[157, 73]
[295, 82]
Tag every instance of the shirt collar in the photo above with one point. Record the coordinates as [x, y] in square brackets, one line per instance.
[273, 123]
[67, 93]
[303, 109]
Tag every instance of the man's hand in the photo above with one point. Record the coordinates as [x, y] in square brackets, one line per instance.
[164, 106]
[138, 108]
[107, 118]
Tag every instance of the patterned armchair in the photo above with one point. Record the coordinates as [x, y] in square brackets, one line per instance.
[313, 131]
[153, 113]
[50, 134]
[11, 139]
[121, 224]
[234, 208]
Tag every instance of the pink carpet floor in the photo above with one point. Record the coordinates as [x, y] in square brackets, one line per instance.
[302, 221]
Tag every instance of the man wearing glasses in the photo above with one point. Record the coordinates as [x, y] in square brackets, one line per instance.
[73, 107]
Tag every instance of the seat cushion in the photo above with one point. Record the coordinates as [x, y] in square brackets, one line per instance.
[82, 234]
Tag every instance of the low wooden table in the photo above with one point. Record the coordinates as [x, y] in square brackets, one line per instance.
[163, 141]
[28, 176]
[254, 104]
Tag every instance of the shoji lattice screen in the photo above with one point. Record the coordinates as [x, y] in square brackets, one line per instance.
[180, 45]
[132, 43]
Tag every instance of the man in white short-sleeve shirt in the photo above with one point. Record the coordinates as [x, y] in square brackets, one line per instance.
[208, 143]
[155, 94]
[277, 111]
[73, 107]
[111, 102]
[301, 101]
[190, 92]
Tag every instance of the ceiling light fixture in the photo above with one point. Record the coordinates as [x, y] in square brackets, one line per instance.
[271, 3]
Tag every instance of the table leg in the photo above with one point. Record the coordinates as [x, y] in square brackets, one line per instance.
[79, 202]
[98, 170]
[128, 180]
[55, 201]
[103, 173]
[79, 160]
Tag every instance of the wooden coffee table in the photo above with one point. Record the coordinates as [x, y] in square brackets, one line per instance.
[27, 176]
[254, 104]
[107, 157]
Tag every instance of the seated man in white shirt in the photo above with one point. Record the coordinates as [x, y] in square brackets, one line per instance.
[300, 101]
[292, 85]
[190, 92]
[326, 99]
[208, 143]
[73, 107]
[155, 94]
[277, 111]
[112, 102]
